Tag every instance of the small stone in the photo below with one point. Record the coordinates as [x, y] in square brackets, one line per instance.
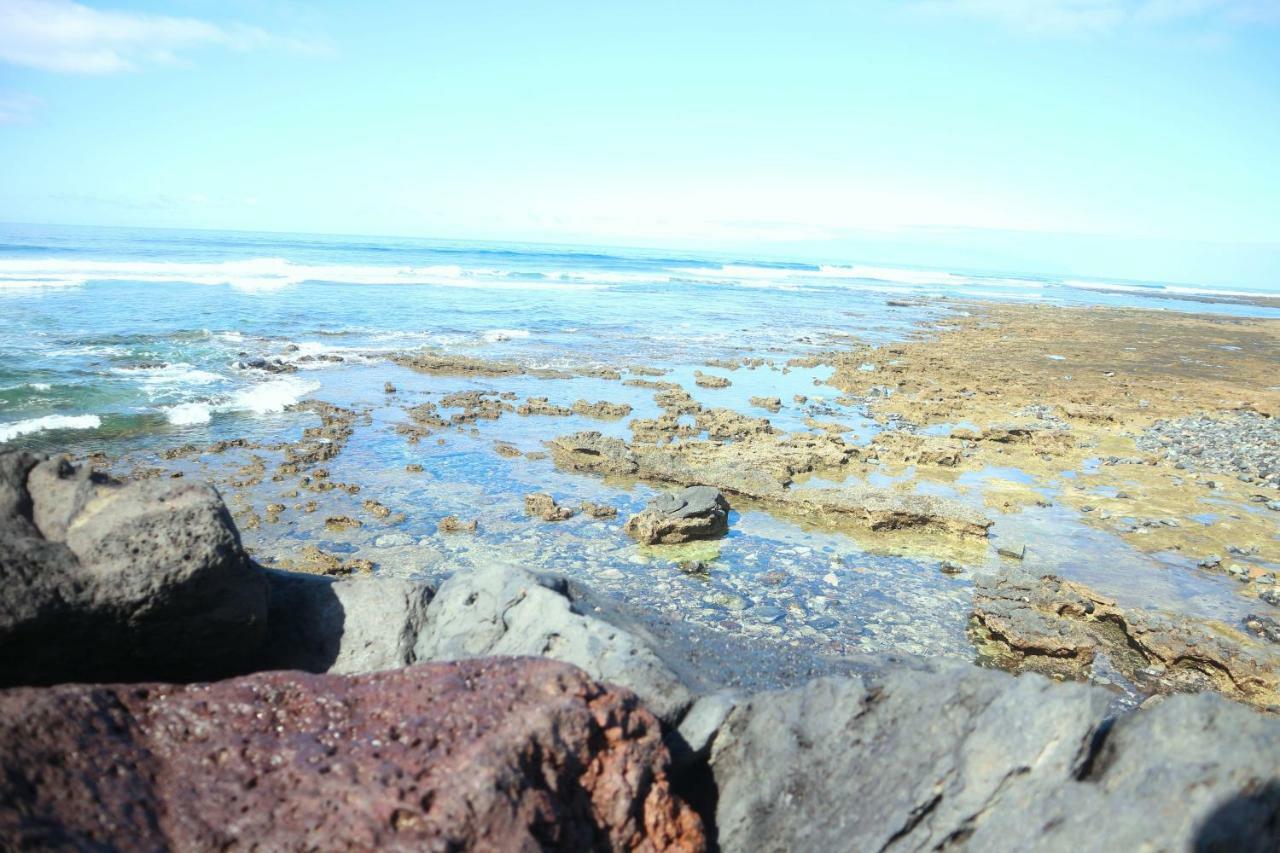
[545, 507]
[1013, 550]
[388, 388]
[452, 524]
[598, 511]
[1263, 626]
[769, 614]
[950, 568]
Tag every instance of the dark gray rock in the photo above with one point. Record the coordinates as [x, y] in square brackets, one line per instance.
[321, 624]
[110, 581]
[506, 611]
[950, 756]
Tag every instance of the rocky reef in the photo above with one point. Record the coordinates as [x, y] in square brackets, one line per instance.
[162, 690]
[1057, 626]
[762, 466]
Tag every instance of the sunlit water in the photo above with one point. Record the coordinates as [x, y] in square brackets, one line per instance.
[129, 342]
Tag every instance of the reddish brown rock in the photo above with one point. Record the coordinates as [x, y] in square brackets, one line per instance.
[502, 753]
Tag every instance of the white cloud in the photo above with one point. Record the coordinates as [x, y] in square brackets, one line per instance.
[17, 108]
[1100, 17]
[64, 36]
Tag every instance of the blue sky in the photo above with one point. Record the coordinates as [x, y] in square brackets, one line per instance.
[1126, 138]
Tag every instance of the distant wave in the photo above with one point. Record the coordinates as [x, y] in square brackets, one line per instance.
[272, 273]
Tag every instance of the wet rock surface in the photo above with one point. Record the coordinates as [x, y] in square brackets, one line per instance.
[696, 512]
[1056, 626]
[510, 754]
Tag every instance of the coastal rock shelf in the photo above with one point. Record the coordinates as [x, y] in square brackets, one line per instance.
[762, 467]
[1053, 625]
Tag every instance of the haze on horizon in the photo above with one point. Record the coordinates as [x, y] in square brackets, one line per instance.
[1125, 138]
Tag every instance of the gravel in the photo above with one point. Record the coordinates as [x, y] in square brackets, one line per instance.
[1246, 446]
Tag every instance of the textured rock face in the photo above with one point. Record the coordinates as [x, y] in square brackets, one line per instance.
[1050, 624]
[761, 466]
[318, 624]
[883, 509]
[110, 581]
[957, 757]
[499, 754]
[698, 512]
[504, 611]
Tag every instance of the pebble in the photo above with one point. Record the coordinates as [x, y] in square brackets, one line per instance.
[769, 614]
[1014, 550]
[1246, 445]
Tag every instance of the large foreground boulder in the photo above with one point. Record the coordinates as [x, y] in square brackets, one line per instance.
[498, 755]
[109, 581]
[948, 756]
[500, 610]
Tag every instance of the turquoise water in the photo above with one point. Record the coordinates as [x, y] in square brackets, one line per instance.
[135, 329]
[129, 342]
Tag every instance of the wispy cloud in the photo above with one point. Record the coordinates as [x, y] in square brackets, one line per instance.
[1101, 17]
[17, 108]
[64, 36]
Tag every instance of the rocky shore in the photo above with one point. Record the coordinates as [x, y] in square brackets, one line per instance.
[163, 690]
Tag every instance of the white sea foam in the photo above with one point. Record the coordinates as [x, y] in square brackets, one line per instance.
[494, 336]
[273, 396]
[185, 414]
[178, 372]
[8, 432]
[39, 386]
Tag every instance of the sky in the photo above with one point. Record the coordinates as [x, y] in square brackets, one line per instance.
[1124, 138]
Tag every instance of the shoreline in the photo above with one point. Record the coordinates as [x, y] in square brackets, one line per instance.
[906, 476]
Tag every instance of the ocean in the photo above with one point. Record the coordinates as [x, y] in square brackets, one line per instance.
[128, 332]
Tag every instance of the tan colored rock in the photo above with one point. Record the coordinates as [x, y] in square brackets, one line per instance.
[707, 380]
[453, 524]
[601, 410]
[1050, 624]
[544, 506]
